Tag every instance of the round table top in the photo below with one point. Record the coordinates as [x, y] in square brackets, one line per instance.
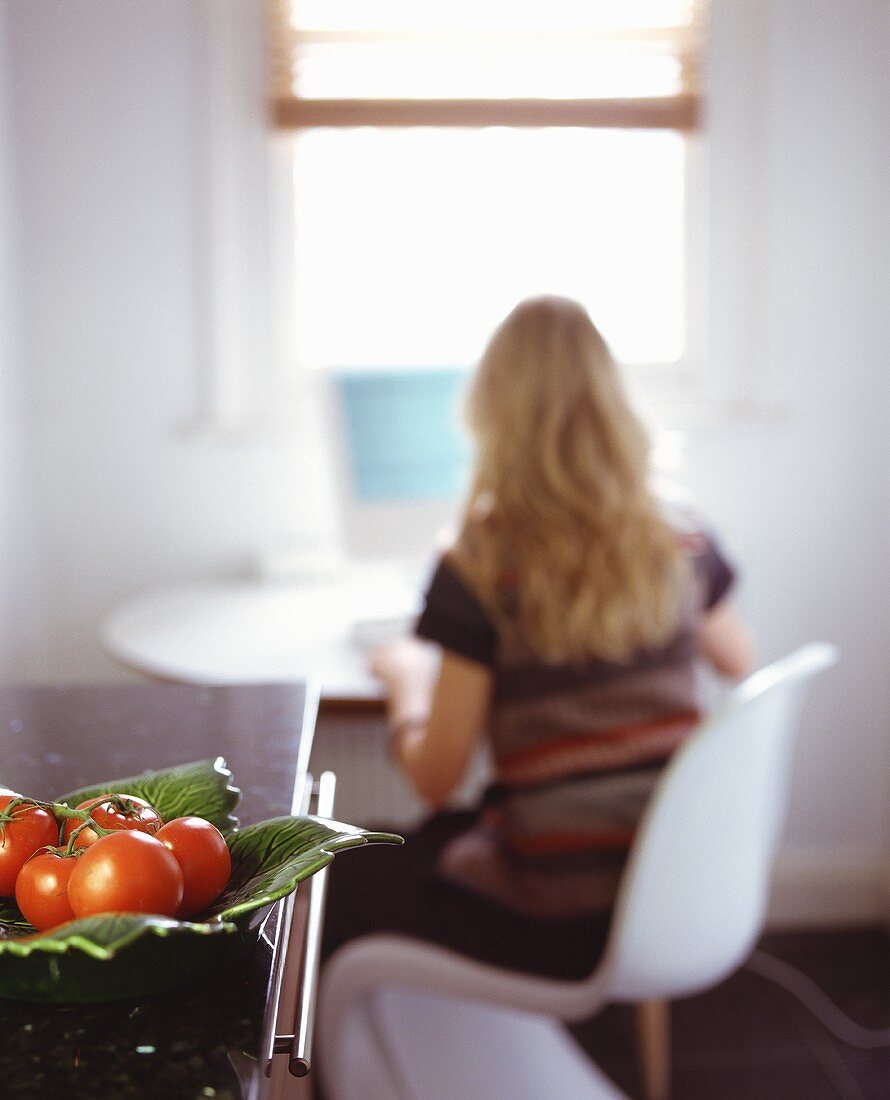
[263, 632]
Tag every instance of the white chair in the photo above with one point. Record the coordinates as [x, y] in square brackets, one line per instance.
[402, 1020]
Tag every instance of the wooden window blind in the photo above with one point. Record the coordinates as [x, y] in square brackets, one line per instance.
[472, 63]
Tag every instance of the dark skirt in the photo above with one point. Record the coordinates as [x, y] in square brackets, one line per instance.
[397, 890]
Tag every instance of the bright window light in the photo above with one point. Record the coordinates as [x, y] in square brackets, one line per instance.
[411, 244]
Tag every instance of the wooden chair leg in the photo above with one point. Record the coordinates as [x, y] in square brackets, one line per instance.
[654, 1048]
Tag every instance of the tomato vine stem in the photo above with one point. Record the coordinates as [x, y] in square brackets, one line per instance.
[60, 811]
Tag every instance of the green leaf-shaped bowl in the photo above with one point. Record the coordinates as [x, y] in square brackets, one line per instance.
[130, 955]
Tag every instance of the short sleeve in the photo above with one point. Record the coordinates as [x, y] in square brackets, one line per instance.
[454, 619]
[716, 571]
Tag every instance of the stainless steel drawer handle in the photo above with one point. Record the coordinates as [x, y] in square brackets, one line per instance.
[291, 935]
[304, 1021]
[283, 946]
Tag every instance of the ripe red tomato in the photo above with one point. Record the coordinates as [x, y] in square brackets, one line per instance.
[114, 811]
[28, 829]
[126, 872]
[202, 853]
[41, 890]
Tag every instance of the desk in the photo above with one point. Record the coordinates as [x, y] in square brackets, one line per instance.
[255, 632]
[175, 1047]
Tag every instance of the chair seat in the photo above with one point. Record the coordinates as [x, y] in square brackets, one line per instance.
[442, 1047]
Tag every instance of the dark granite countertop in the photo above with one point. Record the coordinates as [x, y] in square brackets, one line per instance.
[199, 1041]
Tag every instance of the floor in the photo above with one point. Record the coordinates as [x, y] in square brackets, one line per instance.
[747, 1039]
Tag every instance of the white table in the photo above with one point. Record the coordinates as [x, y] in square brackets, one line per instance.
[263, 632]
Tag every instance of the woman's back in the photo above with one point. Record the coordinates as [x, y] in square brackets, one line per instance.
[577, 745]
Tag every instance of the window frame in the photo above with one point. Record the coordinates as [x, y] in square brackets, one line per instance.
[241, 393]
[679, 111]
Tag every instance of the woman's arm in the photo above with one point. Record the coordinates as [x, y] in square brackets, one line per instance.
[726, 642]
[437, 720]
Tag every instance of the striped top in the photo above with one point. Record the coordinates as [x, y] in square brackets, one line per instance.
[576, 747]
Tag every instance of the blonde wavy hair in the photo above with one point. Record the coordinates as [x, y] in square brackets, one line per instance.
[561, 538]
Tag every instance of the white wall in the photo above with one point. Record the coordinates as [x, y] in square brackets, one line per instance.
[108, 123]
[19, 650]
[799, 219]
[105, 126]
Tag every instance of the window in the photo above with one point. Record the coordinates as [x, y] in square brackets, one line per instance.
[451, 159]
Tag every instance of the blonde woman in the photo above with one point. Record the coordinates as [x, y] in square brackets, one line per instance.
[570, 616]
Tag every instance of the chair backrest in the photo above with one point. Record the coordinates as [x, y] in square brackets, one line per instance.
[694, 895]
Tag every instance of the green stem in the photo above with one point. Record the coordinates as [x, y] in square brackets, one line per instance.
[60, 811]
[57, 809]
[76, 833]
[12, 806]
